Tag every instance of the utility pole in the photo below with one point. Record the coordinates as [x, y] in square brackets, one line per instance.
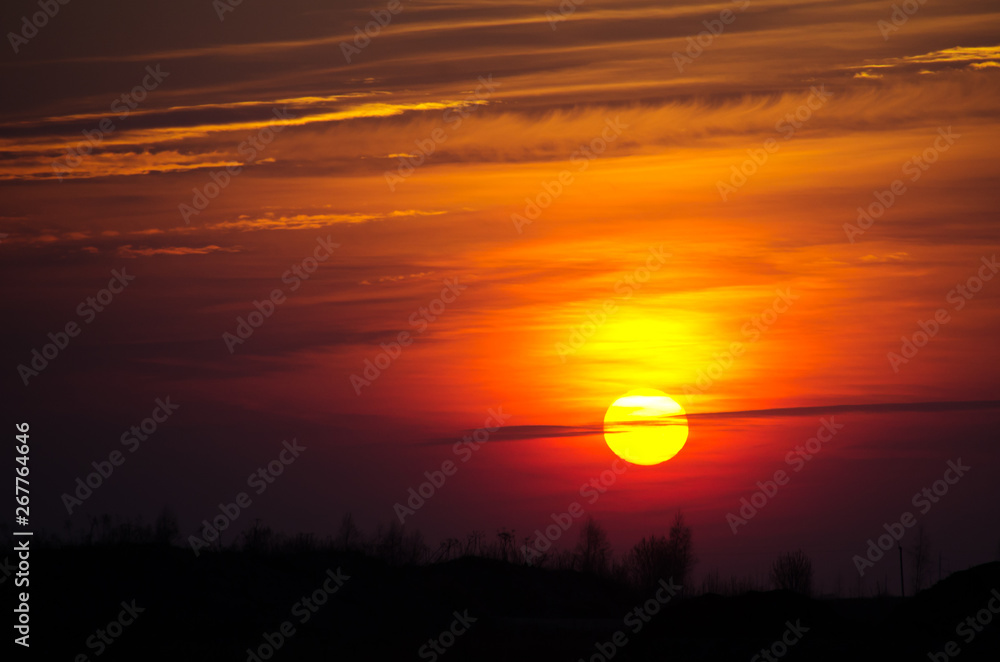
[902, 586]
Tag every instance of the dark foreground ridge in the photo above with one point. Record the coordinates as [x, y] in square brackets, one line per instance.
[148, 602]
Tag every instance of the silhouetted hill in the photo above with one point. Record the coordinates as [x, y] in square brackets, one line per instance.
[218, 605]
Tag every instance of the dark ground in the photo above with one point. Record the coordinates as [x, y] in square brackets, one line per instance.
[217, 606]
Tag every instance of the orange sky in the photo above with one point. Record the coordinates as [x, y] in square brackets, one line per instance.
[510, 102]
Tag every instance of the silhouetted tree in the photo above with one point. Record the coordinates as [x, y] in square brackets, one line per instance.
[388, 542]
[562, 559]
[301, 543]
[793, 571]
[882, 587]
[646, 558]
[619, 570]
[539, 560]
[105, 532]
[166, 529]
[682, 549]
[711, 582]
[473, 544]
[593, 550]
[505, 540]
[258, 539]
[348, 536]
[656, 558]
[448, 549]
[714, 582]
[394, 545]
[413, 550]
[122, 531]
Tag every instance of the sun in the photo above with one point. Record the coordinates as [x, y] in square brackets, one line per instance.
[645, 426]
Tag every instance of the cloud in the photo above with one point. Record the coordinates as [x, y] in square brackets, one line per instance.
[129, 252]
[975, 57]
[898, 256]
[51, 147]
[960, 54]
[394, 279]
[311, 221]
[878, 408]
[537, 432]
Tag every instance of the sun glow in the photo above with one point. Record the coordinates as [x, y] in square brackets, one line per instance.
[645, 426]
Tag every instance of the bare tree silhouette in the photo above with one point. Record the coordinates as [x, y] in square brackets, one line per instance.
[656, 558]
[793, 571]
[166, 529]
[258, 539]
[593, 551]
[447, 550]
[506, 540]
[348, 536]
[396, 546]
[473, 543]
[682, 548]
[713, 582]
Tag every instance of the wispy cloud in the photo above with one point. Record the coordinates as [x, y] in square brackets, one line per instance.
[311, 221]
[539, 432]
[129, 252]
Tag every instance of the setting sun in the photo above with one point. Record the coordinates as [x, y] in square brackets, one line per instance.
[645, 426]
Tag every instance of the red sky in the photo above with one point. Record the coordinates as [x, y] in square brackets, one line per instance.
[834, 108]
